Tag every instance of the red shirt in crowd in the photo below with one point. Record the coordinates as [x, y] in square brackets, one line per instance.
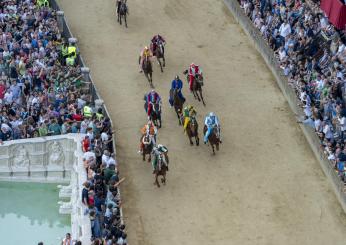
[2, 91]
[77, 117]
[86, 144]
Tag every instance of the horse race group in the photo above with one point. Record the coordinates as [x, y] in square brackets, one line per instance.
[158, 153]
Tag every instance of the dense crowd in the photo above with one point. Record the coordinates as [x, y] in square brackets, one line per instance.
[100, 194]
[312, 54]
[42, 93]
[41, 88]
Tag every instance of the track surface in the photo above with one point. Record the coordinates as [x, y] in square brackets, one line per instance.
[263, 187]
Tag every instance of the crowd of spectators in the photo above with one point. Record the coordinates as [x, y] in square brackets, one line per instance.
[312, 54]
[100, 194]
[42, 93]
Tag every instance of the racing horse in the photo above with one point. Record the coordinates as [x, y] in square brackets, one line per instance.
[155, 114]
[159, 54]
[214, 138]
[161, 168]
[197, 84]
[122, 12]
[147, 146]
[192, 130]
[147, 69]
[177, 103]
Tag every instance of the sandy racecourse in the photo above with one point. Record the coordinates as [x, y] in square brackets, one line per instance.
[263, 187]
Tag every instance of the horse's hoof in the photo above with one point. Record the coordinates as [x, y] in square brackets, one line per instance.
[191, 144]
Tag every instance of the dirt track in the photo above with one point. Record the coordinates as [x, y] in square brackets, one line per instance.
[263, 187]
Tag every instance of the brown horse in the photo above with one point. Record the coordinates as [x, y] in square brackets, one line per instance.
[161, 168]
[148, 70]
[160, 54]
[214, 139]
[147, 146]
[197, 84]
[192, 130]
[177, 103]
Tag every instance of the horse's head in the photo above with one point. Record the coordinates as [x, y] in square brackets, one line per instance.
[185, 72]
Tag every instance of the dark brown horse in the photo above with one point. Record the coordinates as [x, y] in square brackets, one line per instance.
[161, 168]
[177, 103]
[197, 84]
[122, 12]
[214, 139]
[192, 130]
[160, 54]
[147, 69]
[147, 146]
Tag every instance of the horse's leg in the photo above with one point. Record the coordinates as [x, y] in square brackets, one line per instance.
[147, 75]
[125, 20]
[164, 178]
[190, 138]
[164, 60]
[143, 155]
[212, 146]
[217, 146]
[197, 96]
[201, 94]
[149, 159]
[159, 61]
[156, 180]
[160, 122]
[178, 117]
[151, 79]
[197, 140]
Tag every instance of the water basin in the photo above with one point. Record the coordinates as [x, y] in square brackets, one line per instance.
[29, 213]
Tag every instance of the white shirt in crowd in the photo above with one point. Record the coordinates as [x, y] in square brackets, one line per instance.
[282, 54]
[108, 160]
[318, 124]
[285, 29]
[104, 136]
[342, 122]
[88, 155]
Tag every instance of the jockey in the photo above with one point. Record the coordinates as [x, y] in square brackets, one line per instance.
[176, 84]
[188, 112]
[155, 41]
[145, 53]
[157, 151]
[210, 122]
[148, 129]
[151, 98]
[193, 71]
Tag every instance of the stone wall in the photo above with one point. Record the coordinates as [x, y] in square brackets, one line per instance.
[51, 159]
[41, 159]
